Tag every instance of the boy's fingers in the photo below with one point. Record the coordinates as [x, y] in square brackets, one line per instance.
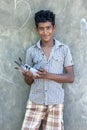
[41, 70]
[24, 72]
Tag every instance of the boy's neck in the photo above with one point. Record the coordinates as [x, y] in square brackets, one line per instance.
[47, 44]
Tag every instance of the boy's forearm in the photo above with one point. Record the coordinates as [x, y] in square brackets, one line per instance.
[61, 78]
[67, 77]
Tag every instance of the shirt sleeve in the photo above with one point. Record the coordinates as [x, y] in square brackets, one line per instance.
[29, 57]
[68, 61]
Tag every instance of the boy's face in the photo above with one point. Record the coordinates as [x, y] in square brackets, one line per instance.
[45, 31]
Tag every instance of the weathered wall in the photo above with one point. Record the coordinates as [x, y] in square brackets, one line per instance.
[17, 34]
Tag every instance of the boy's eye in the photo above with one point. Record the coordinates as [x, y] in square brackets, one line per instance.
[41, 29]
[48, 27]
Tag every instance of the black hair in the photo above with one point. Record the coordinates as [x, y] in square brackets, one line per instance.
[44, 16]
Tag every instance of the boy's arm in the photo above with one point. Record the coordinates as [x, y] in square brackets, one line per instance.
[67, 77]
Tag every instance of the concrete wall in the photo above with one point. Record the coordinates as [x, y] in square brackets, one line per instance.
[17, 34]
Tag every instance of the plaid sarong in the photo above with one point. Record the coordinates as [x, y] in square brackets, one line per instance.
[51, 117]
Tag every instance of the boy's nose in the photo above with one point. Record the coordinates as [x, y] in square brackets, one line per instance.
[45, 31]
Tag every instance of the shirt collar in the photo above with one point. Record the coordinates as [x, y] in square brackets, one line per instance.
[38, 44]
[57, 44]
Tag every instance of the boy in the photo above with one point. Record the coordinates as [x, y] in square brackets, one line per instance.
[54, 63]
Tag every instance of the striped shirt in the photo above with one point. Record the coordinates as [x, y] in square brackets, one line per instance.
[43, 91]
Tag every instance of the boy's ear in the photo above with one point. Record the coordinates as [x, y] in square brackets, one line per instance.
[36, 29]
[54, 26]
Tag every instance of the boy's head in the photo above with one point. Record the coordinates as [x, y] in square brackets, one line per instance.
[44, 16]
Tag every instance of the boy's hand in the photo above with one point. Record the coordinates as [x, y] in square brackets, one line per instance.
[42, 73]
[28, 76]
[27, 73]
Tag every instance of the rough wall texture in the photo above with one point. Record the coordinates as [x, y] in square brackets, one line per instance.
[17, 34]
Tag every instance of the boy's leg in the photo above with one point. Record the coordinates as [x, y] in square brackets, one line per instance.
[33, 116]
[54, 119]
